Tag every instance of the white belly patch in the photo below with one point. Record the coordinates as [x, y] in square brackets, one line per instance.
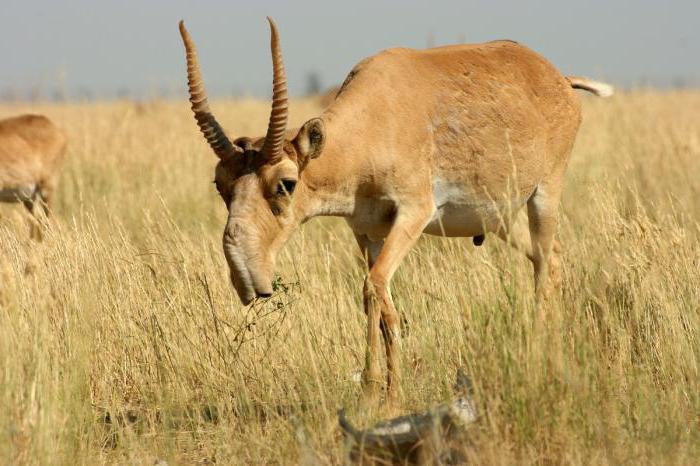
[17, 194]
[460, 212]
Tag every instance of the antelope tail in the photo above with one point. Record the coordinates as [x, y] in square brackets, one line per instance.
[596, 87]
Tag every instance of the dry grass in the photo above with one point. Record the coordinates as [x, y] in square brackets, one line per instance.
[121, 340]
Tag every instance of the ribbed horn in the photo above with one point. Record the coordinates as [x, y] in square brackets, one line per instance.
[210, 128]
[276, 129]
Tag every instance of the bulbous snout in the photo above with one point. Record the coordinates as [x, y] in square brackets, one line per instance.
[249, 277]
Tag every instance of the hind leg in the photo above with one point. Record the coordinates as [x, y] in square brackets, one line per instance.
[38, 208]
[45, 194]
[34, 228]
[542, 209]
[517, 235]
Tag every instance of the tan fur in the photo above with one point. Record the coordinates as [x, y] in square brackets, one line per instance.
[31, 152]
[446, 141]
[326, 98]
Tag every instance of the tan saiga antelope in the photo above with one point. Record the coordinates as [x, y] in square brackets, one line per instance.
[31, 152]
[446, 141]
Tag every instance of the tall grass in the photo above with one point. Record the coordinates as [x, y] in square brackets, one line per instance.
[121, 340]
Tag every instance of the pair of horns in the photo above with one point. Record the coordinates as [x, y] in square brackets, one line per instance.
[212, 131]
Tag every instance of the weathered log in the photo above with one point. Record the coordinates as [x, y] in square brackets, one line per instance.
[429, 437]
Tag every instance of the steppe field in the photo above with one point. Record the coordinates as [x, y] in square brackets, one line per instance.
[123, 342]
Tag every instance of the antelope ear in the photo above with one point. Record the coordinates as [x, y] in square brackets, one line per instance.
[310, 139]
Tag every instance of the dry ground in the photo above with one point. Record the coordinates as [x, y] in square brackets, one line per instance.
[121, 340]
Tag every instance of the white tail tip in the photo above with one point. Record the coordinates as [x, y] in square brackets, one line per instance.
[596, 87]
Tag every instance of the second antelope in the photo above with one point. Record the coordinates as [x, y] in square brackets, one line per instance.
[449, 141]
[31, 152]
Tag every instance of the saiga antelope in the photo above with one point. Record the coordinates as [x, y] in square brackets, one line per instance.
[31, 152]
[448, 141]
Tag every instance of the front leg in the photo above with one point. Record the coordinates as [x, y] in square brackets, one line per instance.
[382, 318]
[370, 249]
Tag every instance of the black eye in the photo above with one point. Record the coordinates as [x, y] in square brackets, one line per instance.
[286, 187]
[314, 137]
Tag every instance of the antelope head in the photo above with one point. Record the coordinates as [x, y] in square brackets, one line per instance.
[258, 178]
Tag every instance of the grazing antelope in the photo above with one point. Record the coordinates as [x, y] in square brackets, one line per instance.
[31, 151]
[447, 141]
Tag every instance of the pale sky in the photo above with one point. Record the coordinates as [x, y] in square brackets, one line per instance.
[108, 46]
